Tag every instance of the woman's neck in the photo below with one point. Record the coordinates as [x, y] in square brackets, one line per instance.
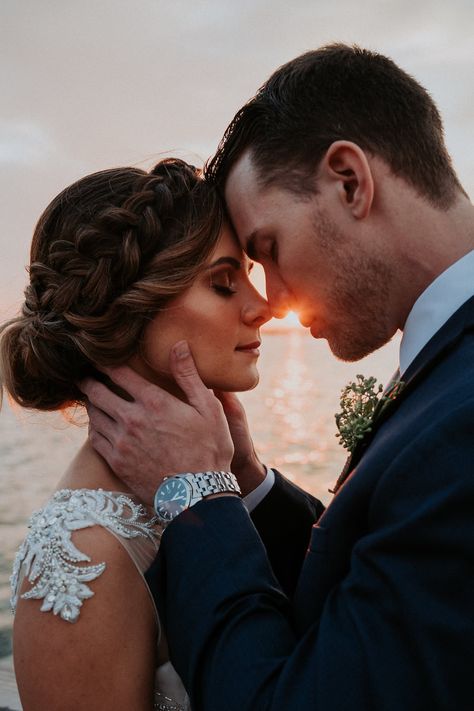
[162, 380]
[88, 470]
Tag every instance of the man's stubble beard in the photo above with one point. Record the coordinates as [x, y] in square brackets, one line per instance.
[359, 296]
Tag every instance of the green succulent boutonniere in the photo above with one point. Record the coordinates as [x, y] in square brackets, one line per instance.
[361, 403]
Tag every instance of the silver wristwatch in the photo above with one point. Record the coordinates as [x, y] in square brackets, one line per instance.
[177, 493]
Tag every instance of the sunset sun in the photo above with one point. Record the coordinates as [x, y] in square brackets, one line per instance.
[288, 323]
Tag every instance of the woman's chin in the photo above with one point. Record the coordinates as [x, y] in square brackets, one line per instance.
[252, 383]
[239, 384]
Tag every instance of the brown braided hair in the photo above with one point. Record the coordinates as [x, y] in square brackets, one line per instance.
[107, 254]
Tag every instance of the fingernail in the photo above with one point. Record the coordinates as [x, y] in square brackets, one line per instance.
[181, 349]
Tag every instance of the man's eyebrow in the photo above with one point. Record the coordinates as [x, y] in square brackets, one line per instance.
[226, 260]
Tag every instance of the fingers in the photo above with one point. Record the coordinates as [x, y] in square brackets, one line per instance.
[184, 372]
[101, 444]
[131, 384]
[141, 390]
[127, 379]
[100, 423]
[230, 402]
[103, 398]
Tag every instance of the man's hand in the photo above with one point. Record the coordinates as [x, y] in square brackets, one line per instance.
[246, 465]
[157, 435]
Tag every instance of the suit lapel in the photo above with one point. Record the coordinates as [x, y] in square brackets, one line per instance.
[435, 350]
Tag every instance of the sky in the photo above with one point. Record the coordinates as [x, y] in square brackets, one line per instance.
[90, 84]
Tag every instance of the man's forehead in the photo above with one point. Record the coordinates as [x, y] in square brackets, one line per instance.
[242, 178]
[239, 197]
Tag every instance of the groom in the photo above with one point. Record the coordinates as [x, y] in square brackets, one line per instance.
[337, 180]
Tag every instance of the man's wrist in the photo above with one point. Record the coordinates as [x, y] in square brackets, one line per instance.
[179, 492]
[250, 475]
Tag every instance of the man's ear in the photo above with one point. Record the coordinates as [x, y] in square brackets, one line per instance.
[347, 167]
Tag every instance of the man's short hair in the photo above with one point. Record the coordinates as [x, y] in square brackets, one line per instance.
[340, 92]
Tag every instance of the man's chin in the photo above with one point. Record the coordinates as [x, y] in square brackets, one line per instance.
[351, 350]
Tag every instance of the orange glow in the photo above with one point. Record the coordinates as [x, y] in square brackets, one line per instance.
[288, 323]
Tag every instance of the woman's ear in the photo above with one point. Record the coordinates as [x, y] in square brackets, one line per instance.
[347, 168]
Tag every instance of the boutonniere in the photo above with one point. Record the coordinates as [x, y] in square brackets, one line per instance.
[362, 402]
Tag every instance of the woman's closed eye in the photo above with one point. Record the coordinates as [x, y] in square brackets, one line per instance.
[223, 284]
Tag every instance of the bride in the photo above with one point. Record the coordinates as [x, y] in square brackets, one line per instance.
[123, 265]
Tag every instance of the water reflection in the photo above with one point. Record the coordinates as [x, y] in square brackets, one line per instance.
[289, 399]
[288, 432]
[291, 413]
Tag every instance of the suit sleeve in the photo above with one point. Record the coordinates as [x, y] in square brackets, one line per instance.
[394, 633]
[284, 520]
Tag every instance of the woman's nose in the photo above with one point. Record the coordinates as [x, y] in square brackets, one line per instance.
[256, 311]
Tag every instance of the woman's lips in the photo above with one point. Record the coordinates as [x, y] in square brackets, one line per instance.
[251, 348]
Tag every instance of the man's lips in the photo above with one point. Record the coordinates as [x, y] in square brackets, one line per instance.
[314, 325]
[316, 330]
[305, 322]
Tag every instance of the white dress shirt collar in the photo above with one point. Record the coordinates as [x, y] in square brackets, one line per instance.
[440, 300]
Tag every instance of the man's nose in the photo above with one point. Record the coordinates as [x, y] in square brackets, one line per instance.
[279, 298]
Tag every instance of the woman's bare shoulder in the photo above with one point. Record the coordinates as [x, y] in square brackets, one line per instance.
[85, 632]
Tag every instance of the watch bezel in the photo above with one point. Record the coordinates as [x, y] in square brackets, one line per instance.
[167, 516]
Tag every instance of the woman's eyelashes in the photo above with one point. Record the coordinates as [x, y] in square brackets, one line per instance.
[223, 284]
[223, 290]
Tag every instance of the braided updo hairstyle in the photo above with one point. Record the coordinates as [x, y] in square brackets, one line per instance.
[107, 254]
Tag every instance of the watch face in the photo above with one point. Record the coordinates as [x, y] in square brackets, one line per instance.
[172, 498]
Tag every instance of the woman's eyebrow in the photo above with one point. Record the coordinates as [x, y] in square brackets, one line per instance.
[226, 260]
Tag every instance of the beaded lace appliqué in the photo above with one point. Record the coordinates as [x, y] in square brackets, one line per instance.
[58, 570]
[164, 703]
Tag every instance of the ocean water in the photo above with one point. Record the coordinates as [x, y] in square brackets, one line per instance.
[290, 413]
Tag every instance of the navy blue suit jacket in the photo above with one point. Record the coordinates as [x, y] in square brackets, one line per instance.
[380, 615]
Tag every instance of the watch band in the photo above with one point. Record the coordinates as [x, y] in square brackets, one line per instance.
[179, 492]
[206, 483]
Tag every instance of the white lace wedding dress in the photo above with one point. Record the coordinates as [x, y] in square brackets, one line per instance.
[59, 572]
